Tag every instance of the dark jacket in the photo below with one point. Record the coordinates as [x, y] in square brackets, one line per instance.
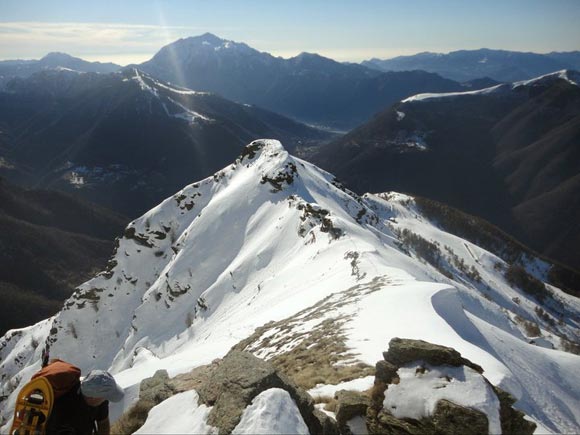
[71, 415]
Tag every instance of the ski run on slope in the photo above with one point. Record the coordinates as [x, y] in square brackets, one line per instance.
[272, 238]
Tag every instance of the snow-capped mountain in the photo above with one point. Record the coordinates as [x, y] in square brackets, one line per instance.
[308, 87]
[508, 153]
[126, 140]
[464, 65]
[275, 243]
[10, 69]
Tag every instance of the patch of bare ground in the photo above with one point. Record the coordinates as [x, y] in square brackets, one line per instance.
[310, 346]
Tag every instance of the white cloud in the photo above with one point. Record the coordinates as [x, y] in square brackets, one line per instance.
[134, 43]
[32, 40]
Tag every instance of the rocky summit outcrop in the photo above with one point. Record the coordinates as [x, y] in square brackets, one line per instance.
[447, 417]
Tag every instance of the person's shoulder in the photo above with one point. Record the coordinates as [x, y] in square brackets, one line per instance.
[72, 395]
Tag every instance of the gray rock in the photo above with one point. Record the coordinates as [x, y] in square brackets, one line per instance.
[385, 423]
[238, 379]
[447, 419]
[327, 424]
[512, 420]
[152, 391]
[157, 388]
[402, 351]
[450, 418]
[385, 371]
[350, 404]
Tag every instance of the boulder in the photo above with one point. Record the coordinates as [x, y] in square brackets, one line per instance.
[385, 371]
[512, 420]
[152, 391]
[327, 424]
[238, 379]
[450, 418]
[402, 351]
[349, 405]
[157, 388]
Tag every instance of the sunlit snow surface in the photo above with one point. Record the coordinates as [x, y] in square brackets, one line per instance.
[179, 414]
[432, 96]
[572, 77]
[272, 412]
[360, 384]
[422, 386]
[203, 269]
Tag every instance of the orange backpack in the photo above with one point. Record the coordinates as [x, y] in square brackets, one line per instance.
[62, 376]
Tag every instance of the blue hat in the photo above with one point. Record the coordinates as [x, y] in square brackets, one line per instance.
[99, 383]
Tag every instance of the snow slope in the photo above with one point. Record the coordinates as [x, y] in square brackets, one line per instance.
[178, 414]
[272, 237]
[572, 77]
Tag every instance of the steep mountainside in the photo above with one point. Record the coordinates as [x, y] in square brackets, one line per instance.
[464, 65]
[125, 140]
[274, 255]
[51, 243]
[10, 69]
[509, 153]
[308, 87]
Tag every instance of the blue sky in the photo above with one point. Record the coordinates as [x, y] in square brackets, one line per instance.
[132, 31]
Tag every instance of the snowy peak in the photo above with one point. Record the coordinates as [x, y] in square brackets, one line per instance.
[58, 58]
[570, 76]
[151, 272]
[208, 44]
[209, 38]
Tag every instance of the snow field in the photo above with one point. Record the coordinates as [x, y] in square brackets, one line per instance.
[272, 412]
[178, 414]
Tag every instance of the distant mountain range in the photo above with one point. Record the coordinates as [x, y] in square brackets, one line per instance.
[50, 243]
[465, 65]
[509, 153]
[10, 69]
[308, 87]
[311, 88]
[125, 140]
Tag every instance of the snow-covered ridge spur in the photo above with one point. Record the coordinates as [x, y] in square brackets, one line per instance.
[273, 248]
[570, 76]
[174, 99]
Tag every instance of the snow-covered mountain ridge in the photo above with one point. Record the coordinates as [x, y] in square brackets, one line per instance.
[570, 76]
[272, 238]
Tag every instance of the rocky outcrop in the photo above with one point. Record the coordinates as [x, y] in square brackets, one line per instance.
[402, 351]
[447, 417]
[512, 420]
[152, 391]
[350, 404]
[238, 379]
[230, 385]
[451, 418]
[156, 389]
